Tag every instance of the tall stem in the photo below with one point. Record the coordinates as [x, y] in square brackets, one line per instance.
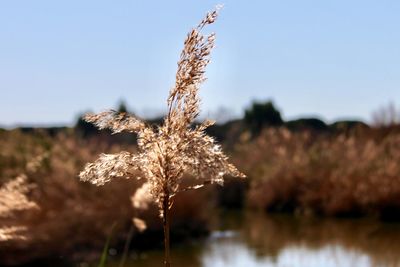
[167, 260]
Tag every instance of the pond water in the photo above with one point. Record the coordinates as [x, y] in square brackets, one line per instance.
[256, 239]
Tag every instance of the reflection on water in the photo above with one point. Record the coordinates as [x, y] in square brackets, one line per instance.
[253, 240]
[235, 255]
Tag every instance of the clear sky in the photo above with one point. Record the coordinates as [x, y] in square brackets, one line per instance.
[332, 58]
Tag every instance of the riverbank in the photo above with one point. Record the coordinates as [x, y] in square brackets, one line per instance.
[352, 173]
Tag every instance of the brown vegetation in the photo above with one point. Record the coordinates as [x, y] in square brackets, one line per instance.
[344, 174]
[75, 218]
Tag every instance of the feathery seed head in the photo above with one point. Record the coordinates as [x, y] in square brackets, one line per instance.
[175, 148]
[13, 198]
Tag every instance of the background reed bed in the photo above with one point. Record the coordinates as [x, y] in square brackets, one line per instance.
[75, 218]
[351, 173]
[348, 172]
[335, 173]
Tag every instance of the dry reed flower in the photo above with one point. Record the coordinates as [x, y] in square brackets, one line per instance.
[140, 224]
[9, 233]
[12, 199]
[169, 151]
[142, 197]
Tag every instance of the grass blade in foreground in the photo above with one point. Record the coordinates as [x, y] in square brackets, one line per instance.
[104, 254]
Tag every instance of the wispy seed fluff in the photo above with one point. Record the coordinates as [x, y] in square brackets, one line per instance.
[169, 151]
[13, 198]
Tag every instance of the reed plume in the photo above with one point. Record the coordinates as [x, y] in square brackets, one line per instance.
[13, 198]
[167, 152]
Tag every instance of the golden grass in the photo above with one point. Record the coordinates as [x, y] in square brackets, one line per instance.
[352, 174]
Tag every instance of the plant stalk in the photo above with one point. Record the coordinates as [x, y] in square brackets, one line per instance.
[167, 259]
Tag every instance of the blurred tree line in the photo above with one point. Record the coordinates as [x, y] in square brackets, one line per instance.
[257, 117]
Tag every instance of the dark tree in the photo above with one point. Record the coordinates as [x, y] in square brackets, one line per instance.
[122, 107]
[301, 124]
[84, 128]
[261, 115]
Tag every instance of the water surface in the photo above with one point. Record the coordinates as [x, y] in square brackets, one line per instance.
[257, 239]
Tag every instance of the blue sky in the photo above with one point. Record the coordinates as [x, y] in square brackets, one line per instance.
[332, 59]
